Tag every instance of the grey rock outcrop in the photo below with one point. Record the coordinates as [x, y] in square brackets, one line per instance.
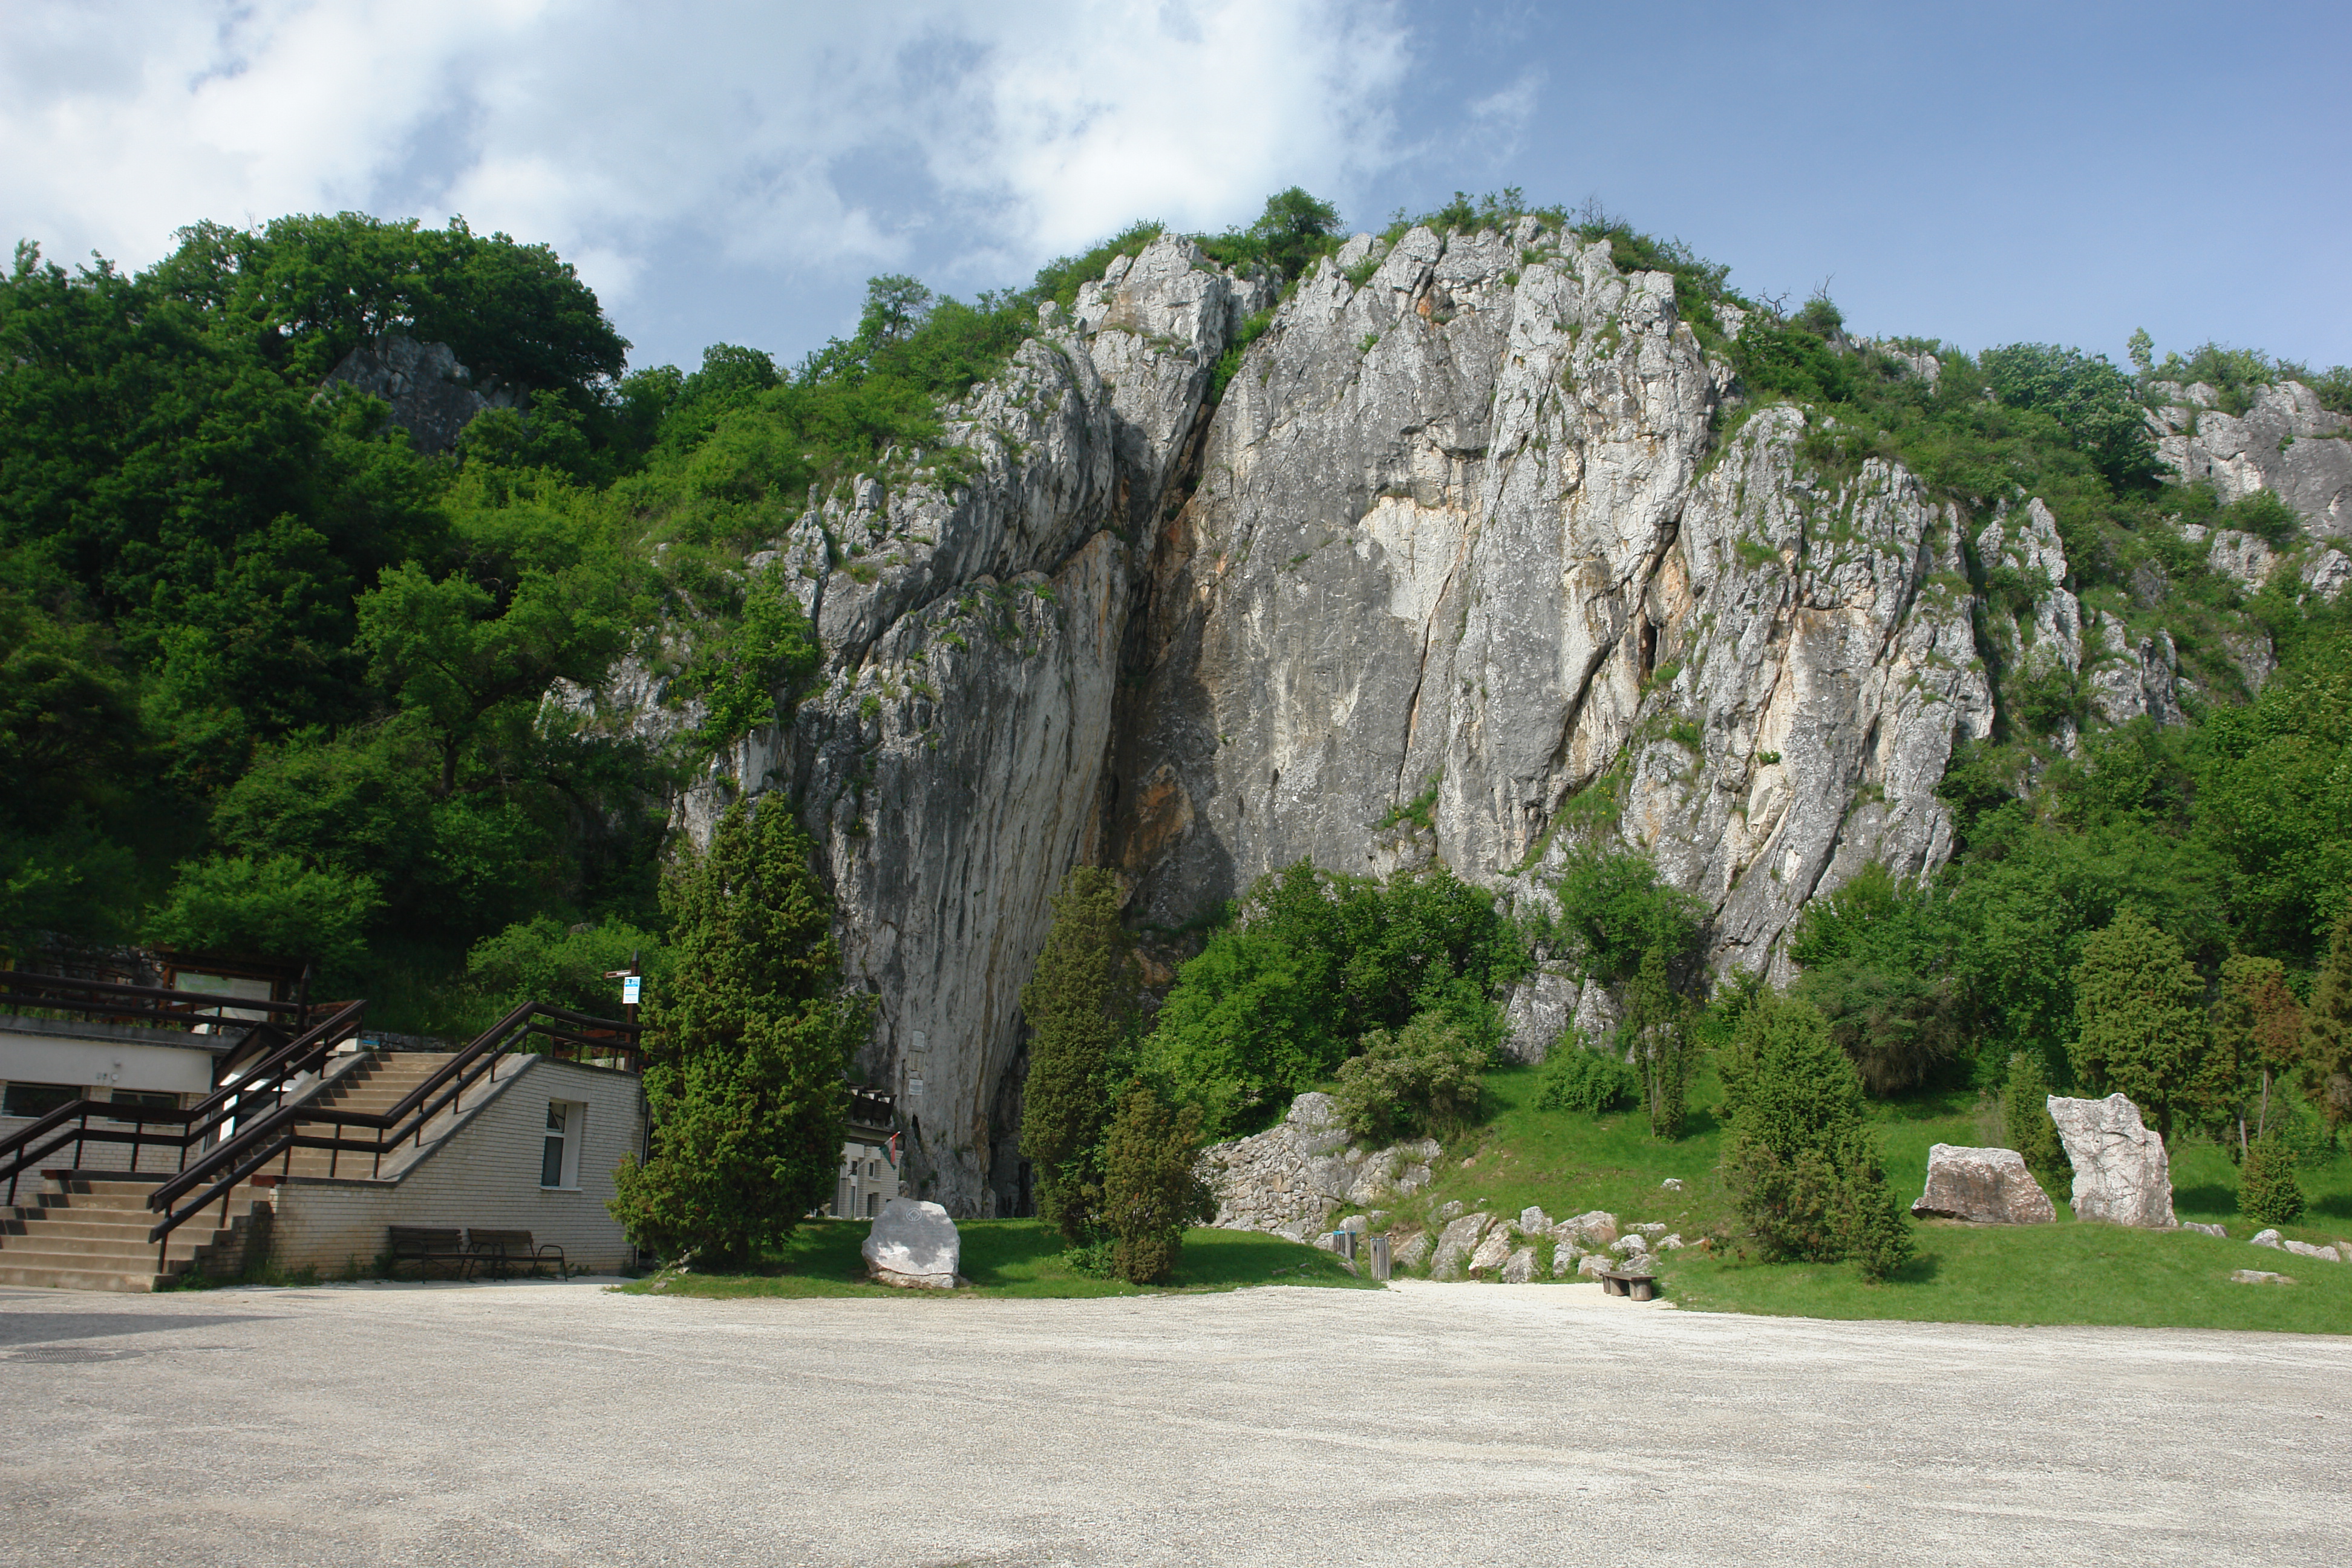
[1461, 543]
[1289, 1178]
[913, 1245]
[1492, 1253]
[2285, 442]
[2259, 1277]
[1520, 1268]
[2327, 572]
[972, 613]
[2132, 677]
[2121, 1172]
[1456, 1244]
[1987, 1186]
[1452, 560]
[433, 397]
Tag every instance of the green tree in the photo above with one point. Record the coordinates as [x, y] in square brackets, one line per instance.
[2268, 1193]
[1875, 957]
[749, 1042]
[1080, 1007]
[542, 960]
[1801, 1162]
[1152, 1191]
[2257, 1039]
[1312, 963]
[2139, 1007]
[2327, 1031]
[2094, 400]
[275, 909]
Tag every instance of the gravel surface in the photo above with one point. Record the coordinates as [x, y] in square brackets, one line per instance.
[528, 1424]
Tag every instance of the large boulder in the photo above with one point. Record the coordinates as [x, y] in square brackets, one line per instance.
[1492, 1254]
[2121, 1175]
[1455, 1243]
[1988, 1187]
[913, 1245]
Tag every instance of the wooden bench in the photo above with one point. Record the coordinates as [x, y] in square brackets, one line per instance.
[425, 1247]
[505, 1249]
[1640, 1287]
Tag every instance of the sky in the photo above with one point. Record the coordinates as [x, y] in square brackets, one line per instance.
[1981, 173]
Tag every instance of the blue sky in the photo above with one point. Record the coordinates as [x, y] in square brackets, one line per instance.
[1984, 174]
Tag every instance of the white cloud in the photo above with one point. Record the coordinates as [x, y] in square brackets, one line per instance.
[794, 138]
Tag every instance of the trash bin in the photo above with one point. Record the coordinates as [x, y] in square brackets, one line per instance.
[1380, 1257]
[1343, 1242]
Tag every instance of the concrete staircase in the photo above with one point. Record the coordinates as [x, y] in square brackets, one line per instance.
[375, 1086]
[90, 1233]
[88, 1230]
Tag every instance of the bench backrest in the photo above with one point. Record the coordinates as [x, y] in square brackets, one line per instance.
[422, 1238]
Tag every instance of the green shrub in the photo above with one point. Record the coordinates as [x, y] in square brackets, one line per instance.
[1080, 1007]
[2025, 1119]
[1310, 965]
[1150, 1189]
[1576, 1078]
[1424, 1078]
[1800, 1163]
[2268, 1193]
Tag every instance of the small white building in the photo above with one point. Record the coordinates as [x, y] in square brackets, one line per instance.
[868, 1176]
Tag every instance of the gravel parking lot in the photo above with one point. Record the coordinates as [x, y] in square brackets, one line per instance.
[527, 1424]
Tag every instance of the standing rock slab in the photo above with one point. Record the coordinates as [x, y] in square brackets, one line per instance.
[2121, 1175]
[913, 1245]
[1493, 1253]
[1988, 1186]
[1456, 1243]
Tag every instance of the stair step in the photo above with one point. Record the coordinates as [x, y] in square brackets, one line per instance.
[75, 1278]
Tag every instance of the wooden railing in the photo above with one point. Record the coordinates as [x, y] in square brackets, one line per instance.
[268, 1066]
[105, 1002]
[533, 1028]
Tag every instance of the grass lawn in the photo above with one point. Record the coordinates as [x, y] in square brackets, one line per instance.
[1010, 1257]
[2061, 1273]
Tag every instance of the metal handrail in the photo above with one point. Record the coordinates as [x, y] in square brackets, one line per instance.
[253, 1148]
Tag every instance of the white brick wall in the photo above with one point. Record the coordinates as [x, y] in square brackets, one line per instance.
[484, 1173]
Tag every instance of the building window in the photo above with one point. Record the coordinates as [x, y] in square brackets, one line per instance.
[145, 1100]
[559, 1159]
[35, 1099]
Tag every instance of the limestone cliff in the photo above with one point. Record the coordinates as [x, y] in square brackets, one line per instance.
[1479, 550]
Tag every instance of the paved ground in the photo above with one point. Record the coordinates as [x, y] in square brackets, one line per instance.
[526, 1423]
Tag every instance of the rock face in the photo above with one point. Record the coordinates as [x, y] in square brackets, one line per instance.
[1477, 539]
[1988, 1187]
[2285, 442]
[1460, 548]
[2121, 1173]
[432, 396]
[913, 1245]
